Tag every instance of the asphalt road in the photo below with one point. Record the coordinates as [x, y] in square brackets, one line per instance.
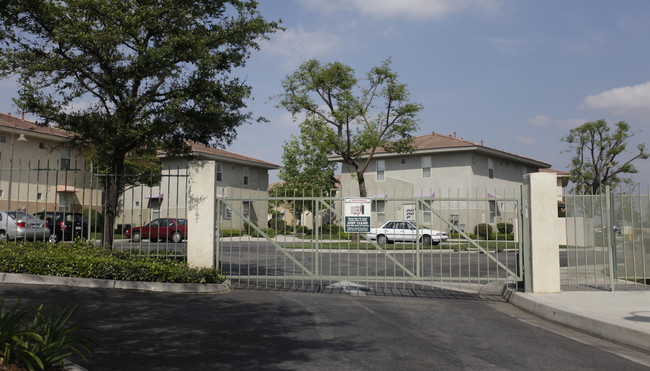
[290, 330]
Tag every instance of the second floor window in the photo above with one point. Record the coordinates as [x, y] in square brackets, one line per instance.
[490, 169]
[246, 177]
[426, 167]
[381, 168]
[219, 171]
[65, 158]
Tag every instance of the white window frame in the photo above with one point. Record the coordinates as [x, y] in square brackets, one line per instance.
[65, 158]
[380, 209]
[381, 170]
[246, 176]
[426, 166]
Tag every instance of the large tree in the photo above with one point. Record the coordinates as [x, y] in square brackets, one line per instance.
[365, 115]
[597, 149]
[132, 77]
[306, 169]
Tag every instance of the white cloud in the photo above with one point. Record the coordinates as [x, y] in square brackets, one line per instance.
[626, 101]
[298, 45]
[414, 9]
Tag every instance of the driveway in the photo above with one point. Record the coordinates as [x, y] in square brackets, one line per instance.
[289, 330]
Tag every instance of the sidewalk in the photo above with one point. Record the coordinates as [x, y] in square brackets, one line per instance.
[619, 316]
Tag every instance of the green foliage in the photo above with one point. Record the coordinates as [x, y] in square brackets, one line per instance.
[483, 230]
[231, 233]
[83, 260]
[505, 227]
[504, 236]
[41, 337]
[94, 217]
[279, 226]
[152, 75]
[352, 120]
[596, 150]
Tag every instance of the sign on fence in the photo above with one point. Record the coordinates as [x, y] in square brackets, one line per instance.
[357, 215]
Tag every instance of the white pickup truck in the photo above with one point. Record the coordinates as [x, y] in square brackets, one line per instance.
[405, 231]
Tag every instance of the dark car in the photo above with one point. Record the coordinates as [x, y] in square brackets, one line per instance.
[65, 226]
[161, 229]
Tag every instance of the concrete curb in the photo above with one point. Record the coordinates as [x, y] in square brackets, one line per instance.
[570, 318]
[30, 279]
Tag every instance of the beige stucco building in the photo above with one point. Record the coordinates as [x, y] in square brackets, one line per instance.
[442, 170]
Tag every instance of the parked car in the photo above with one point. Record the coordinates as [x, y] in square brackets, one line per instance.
[19, 225]
[405, 231]
[161, 229]
[64, 226]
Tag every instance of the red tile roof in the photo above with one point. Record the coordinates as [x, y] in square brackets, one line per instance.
[18, 123]
[435, 141]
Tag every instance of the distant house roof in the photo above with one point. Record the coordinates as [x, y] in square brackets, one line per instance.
[437, 143]
[20, 125]
[221, 154]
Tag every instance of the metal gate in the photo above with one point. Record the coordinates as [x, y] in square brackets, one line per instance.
[304, 245]
[607, 242]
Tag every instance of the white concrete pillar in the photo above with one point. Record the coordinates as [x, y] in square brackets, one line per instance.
[201, 215]
[544, 259]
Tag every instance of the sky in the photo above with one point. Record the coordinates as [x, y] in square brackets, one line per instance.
[516, 74]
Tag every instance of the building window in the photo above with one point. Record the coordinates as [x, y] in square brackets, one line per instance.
[490, 169]
[426, 167]
[246, 209]
[246, 177]
[381, 168]
[41, 145]
[494, 211]
[427, 216]
[3, 139]
[65, 158]
[402, 161]
[219, 171]
[39, 196]
[380, 209]
[2, 193]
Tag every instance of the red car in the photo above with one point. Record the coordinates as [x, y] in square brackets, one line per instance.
[161, 229]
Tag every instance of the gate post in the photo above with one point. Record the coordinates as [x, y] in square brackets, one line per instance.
[544, 258]
[201, 216]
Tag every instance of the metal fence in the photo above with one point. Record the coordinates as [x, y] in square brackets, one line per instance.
[608, 242]
[304, 244]
[45, 189]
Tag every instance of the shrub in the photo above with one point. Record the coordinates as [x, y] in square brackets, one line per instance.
[332, 229]
[505, 236]
[505, 228]
[268, 231]
[230, 233]
[95, 218]
[40, 337]
[483, 230]
[83, 260]
[277, 224]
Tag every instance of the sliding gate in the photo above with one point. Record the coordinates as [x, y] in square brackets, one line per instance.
[304, 244]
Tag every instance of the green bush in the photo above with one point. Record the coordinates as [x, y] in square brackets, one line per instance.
[505, 236]
[505, 228]
[83, 260]
[483, 230]
[231, 233]
[40, 337]
[95, 218]
[332, 229]
[278, 225]
[268, 231]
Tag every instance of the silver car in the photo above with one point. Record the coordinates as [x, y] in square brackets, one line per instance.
[19, 225]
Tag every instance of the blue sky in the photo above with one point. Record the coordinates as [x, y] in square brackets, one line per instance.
[516, 74]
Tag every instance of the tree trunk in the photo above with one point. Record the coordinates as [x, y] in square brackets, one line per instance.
[362, 184]
[113, 187]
